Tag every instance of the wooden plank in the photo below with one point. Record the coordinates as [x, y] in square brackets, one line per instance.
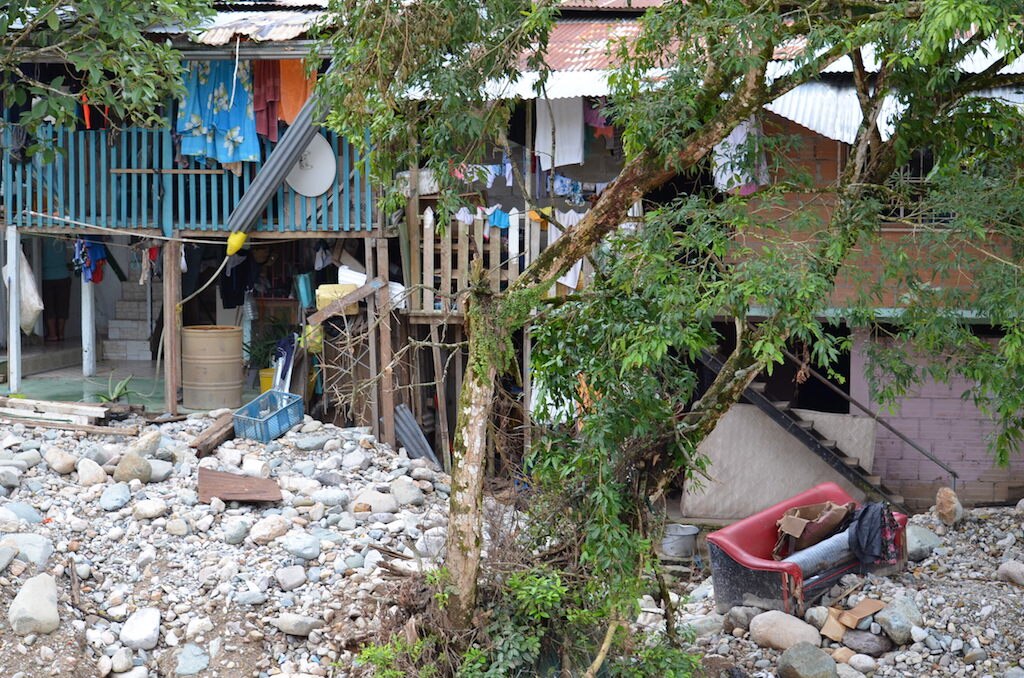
[494, 263]
[172, 320]
[44, 416]
[52, 406]
[222, 429]
[85, 428]
[387, 385]
[463, 258]
[236, 487]
[338, 306]
[442, 400]
[428, 263]
[478, 239]
[372, 334]
[446, 268]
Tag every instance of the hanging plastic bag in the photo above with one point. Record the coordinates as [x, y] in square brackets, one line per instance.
[31, 302]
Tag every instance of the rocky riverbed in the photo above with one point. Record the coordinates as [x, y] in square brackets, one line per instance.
[956, 610]
[110, 565]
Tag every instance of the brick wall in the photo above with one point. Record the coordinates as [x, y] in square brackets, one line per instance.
[952, 429]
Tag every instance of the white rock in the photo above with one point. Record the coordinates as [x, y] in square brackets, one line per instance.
[268, 529]
[781, 631]
[374, 502]
[60, 461]
[296, 624]
[34, 609]
[198, 626]
[406, 492]
[141, 630]
[122, 660]
[147, 509]
[90, 473]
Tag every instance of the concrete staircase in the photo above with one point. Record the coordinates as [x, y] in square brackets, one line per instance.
[127, 333]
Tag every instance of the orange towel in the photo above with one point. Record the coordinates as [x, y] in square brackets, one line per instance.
[295, 88]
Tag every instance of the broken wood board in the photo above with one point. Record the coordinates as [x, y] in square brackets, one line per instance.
[833, 628]
[865, 608]
[236, 487]
[338, 305]
[223, 429]
[85, 428]
[54, 407]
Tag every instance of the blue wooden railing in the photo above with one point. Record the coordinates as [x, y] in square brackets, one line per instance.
[132, 179]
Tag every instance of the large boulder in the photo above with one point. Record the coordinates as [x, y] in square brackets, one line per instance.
[865, 642]
[805, 660]
[948, 507]
[921, 542]
[34, 609]
[141, 630]
[781, 631]
[898, 619]
[1012, 571]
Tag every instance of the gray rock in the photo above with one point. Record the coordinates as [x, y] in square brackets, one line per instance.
[115, 497]
[921, 542]
[1016, 671]
[30, 457]
[1020, 506]
[975, 656]
[740, 616]
[329, 479]
[268, 529]
[816, 616]
[371, 501]
[133, 467]
[10, 476]
[356, 460]
[863, 663]
[60, 461]
[804, 660]
[296, 624]
[310, 444]
[24, 511]
[431, 544]
[406, 492]
[90, 473]
[34, 609]
[301, 545]
[141, 630]
[706, 625]
[235, 531]
[781, 631]
[34, 548]
[918, 634]
[147, 509]
[1011, 571]
[289, 578]
[865, 642]
[191, 660]
[898, 618]
[251, 598]
[160, 470]
[122, 660]
[7, 554]
[331, 496]
[146, 445]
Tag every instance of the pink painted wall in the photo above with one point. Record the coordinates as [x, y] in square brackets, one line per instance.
[950, 428]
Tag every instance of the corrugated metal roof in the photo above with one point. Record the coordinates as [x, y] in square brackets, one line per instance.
[611, 5]
[587, 44]
[260, 26]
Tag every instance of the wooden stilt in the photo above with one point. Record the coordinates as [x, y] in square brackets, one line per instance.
[387, 383]
[13, 309]
[440, 388]
[172, 324]
[88, 330]
[372, 334]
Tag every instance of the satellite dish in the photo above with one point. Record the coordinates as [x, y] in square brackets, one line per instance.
[315, 170]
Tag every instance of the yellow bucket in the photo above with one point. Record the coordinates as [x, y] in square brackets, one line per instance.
[266, 379]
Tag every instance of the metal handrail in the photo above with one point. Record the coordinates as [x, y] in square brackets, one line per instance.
[853, 401]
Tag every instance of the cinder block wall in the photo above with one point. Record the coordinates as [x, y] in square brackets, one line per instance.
[952, 429]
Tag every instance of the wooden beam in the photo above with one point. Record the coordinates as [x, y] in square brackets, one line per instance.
[172, 321]
[13, 308]
[442, 401]
[84, 428]
[371, 338]
[95, 411]
[235, 487]
[222, 429]
[338, 305]
[387, 386]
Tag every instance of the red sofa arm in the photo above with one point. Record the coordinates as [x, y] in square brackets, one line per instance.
[746, 559]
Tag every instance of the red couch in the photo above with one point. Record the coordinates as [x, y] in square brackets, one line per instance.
[744, 572]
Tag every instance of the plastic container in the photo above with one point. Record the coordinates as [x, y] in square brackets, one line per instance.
[211, 367]
[267, 379]
[304, 289]
[268, 416]
[680, 541]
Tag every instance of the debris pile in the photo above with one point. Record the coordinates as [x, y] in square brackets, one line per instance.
[131, 556]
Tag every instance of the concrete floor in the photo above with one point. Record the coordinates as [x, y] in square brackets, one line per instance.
[67, 384]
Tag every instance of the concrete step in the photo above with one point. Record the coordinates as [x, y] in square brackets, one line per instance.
[126, 349]
[128, 329]
[132, 291]
[34, 361]
[127, 309]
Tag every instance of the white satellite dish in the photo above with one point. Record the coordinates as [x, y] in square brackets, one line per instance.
[315, 170]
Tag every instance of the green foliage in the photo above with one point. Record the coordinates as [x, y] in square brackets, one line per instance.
[537, 593]
[439, 580]
[398, 659]
[116, 392]
[654, 660]
[106, 43]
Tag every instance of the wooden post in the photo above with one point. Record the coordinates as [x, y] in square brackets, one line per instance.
[88, 330]
[371, 338]
[13, 309]
[428, 261]
[440, 388]
[412, 216]
[387, 384]
[528, 259]
[172, 320]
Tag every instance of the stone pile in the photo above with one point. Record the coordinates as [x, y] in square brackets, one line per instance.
[956, 610]
[110, 565]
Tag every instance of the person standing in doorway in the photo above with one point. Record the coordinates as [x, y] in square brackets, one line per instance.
[56, 288]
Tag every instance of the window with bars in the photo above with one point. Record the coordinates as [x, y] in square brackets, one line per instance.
[908, 204]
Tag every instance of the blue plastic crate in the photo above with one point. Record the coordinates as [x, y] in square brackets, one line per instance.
[268, 416]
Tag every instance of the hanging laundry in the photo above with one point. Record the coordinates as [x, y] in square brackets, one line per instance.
[559, 137]
[571, 278]
[738, 161]
[506, 165]
[266, 75]
[295, 88]
[562, 185]
[464, 216]
[89, 258]
[211, 121]
[513, 233]
[322, 258]
[493, 172]
[498, 219]
[593, 112]
[238, 278]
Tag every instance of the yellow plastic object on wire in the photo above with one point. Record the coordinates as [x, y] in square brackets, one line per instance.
[235, 241]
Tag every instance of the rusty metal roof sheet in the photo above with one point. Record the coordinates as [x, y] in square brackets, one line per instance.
[611, 5]
[260, 26]
[587, 44]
